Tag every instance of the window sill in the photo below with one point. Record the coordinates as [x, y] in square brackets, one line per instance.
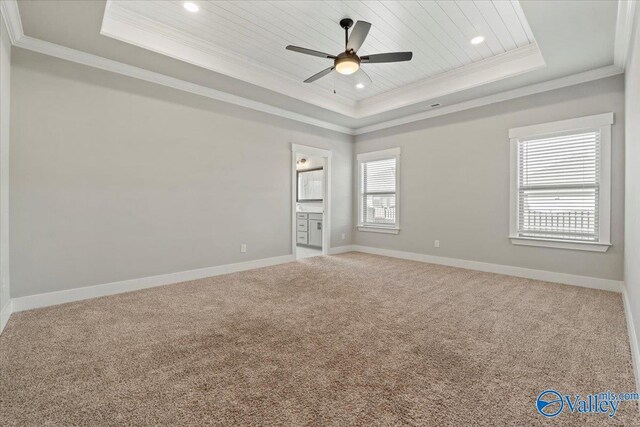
[386, 230]
[560, 244]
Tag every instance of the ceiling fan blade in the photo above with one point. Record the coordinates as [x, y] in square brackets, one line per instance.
[320, 74]
[358, 34]
[387, 57]
[310, 52]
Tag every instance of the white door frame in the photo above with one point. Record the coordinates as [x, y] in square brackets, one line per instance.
[297, 149]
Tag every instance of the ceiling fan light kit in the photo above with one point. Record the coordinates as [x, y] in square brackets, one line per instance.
[348, 62]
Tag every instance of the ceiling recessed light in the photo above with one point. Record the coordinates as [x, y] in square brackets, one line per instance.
[360, 85]
[477, 40]
[191, 7]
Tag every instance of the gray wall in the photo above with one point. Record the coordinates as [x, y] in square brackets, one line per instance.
[5, 90]
[114, 178]
[454, 181]
[632, 185]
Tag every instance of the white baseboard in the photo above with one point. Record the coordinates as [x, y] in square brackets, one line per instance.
[633, 338]
[528, 273]
[70, 295]
[5, 314]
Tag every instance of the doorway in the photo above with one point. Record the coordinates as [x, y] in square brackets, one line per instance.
[310, 201]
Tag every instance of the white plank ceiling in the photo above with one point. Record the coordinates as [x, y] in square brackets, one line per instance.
[256, 33]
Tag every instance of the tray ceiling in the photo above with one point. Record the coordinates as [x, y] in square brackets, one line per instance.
[246, 40]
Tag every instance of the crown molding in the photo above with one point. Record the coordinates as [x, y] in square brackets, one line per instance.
[574, 79]
[501, 66]
[508, 64]
[129, 27]
[94, 61]
[11, 15]
[624, 32]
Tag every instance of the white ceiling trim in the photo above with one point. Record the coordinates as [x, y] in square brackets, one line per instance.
[624, 31]
[508, 64]
[12, 20]
[84, 58]
[129, 27]
[11, 15]
[587, 76]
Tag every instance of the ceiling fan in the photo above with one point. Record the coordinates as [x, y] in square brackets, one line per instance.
[348, 62]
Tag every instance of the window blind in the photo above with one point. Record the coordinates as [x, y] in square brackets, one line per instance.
[558, 186]
[378, 192]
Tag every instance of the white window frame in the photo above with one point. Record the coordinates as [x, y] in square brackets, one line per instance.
[599, 122]
[372, 156]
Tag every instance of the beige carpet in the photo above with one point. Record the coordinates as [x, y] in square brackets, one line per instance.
[352, 339]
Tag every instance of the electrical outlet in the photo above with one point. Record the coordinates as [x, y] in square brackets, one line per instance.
[343, 236]
[243, 248]
[436, 243]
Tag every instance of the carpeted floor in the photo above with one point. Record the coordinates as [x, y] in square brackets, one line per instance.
[354, 339]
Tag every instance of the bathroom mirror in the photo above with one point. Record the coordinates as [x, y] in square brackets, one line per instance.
[310, 183]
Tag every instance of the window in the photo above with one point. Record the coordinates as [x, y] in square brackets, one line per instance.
[378, 191]
[561, 183]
